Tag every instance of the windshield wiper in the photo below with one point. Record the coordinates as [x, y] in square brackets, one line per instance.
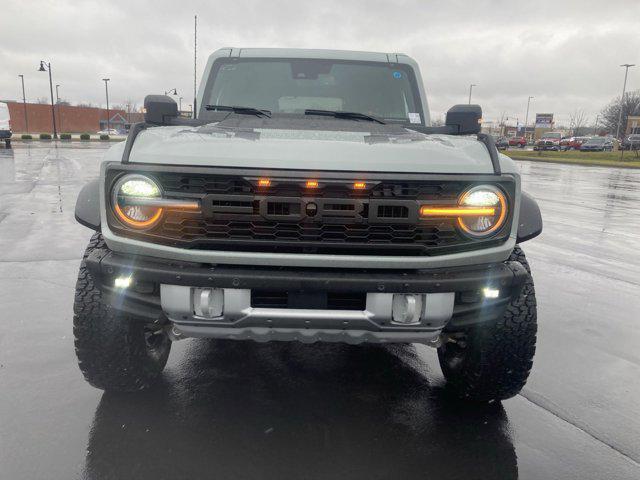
[344, 115]
[240, 110]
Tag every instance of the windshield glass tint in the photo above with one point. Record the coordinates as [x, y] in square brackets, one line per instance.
[292, 86]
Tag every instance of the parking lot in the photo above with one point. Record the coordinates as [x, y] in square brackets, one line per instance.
[246, 410]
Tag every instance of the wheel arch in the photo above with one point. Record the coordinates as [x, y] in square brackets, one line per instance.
[87, 210]
[530, 220]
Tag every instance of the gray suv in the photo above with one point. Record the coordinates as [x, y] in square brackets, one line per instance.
[310, 200]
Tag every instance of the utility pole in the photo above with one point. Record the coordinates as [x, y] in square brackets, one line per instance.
[595, 127]
[180, 104]
[624, 87]
[470, 90]
[106, 89]
[53, 113]
[526, 117]
[195, 61]
[24, 103]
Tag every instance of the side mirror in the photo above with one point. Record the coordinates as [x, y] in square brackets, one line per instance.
[464, 119]
[159, 109]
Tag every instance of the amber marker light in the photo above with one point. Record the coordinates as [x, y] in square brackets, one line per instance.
[359, 185]
[457, 211]
[264, 182]
[312, 184]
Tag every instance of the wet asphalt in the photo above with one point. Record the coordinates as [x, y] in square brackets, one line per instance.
[235, 410]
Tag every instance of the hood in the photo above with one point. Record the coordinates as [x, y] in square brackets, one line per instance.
[269, 148]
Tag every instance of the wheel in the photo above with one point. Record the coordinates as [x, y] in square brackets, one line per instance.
[492, 361]
[115, 352]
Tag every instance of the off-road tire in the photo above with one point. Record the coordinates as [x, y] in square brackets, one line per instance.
[492, 361]
[114, 352]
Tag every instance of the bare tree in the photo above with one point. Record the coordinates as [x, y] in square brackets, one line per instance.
[42, 100]
[609, 114]
[578, 122]
[435, 122]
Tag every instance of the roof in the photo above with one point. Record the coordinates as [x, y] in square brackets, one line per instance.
[310, 53]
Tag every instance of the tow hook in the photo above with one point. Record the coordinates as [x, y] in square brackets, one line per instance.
[174, 334]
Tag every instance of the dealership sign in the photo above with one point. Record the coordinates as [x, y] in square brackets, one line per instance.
[544, 120]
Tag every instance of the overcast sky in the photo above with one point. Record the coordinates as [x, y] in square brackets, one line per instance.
[564, 53]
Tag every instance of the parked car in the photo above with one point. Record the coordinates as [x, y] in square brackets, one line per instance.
[597, 144]
[548, 141]
[502, 143]
[111, 131]
[517, 142]
[5, 124]
[246, 224]
[572, 143]
[632, 142]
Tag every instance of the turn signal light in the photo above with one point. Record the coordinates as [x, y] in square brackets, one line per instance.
[264, 182]
[456, 211]
[312, 184]
[359, 185]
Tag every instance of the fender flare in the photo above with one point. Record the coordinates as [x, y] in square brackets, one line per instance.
[530, 221]
[88, 205]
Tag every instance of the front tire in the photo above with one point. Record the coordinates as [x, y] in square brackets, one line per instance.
[492, 361]
[115, 352]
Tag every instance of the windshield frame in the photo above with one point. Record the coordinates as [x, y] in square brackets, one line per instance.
[406, 68]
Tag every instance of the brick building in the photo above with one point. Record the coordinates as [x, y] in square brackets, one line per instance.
[71, 119]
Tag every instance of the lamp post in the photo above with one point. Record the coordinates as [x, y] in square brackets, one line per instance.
[180, 104]
[470, 90]
[624, 87]
[526, 117]
[53, 114]
[58, 106]
[106, 91]
[24, 103]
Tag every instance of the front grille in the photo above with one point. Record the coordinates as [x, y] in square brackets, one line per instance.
[287, 217]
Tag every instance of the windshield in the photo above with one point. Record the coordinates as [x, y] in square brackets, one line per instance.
[596, 141]
[291, 86]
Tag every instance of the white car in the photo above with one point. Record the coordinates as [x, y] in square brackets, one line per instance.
[111, 131]
[5, 124]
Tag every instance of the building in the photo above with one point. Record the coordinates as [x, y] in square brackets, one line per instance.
[69, 118]
[633, 124]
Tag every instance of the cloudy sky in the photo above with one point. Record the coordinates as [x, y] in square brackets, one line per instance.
[564, 53]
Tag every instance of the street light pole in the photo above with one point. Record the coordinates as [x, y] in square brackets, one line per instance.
[180, 104]
[624, 87]
[58, 107]
[24, 103]
[526, 117]
[470, 90]
[106, 90]
[53, 113]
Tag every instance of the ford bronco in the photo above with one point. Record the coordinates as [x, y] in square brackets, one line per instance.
[311, 200]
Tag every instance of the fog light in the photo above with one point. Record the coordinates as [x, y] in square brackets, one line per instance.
[490, 292]
[406, 308]
[122, 282]
[208, 302]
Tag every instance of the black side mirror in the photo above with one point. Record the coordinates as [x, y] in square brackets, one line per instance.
[464, 119]
[159, 109]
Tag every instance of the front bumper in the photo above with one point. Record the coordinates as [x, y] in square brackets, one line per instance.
[160, 291]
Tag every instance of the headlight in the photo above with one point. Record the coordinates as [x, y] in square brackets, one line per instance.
[131, 201]
[491, 203]
[481, 211]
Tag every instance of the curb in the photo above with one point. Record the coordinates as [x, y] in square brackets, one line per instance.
[585, 163]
